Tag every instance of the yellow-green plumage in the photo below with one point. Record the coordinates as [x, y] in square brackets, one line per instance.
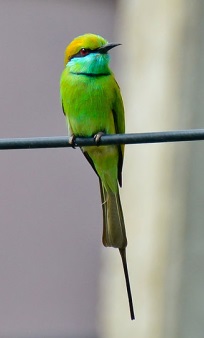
[92, 103]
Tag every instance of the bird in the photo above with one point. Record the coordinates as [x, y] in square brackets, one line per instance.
[92, 104]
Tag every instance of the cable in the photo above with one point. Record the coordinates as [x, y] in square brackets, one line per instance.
[138, 138]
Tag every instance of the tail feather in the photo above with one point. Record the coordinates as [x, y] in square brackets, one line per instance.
[125, 268]
[114, 234]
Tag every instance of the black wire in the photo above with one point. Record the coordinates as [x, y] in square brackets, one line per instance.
[138, 138]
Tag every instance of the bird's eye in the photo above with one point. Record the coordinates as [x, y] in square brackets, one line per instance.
[84, 52]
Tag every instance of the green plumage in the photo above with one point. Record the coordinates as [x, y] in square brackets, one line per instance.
[92, 103]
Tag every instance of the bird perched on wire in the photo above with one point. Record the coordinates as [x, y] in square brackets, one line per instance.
[93, 106]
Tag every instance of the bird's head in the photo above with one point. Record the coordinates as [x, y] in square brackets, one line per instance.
[88, 54]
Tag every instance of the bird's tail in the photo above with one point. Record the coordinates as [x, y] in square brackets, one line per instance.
[114, 234]
[114, 231]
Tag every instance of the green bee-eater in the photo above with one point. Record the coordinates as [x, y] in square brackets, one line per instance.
[92, 104]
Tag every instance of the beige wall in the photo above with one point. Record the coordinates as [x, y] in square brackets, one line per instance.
[162, 79]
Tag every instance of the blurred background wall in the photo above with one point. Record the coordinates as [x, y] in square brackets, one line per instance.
[162, 72]
[56, 279]
[50, 212]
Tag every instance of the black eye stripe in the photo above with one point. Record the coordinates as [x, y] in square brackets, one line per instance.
[79, 55]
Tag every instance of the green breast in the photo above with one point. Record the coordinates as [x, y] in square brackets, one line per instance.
[88, 102]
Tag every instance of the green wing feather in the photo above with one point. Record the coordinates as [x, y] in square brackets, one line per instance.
[119, 120]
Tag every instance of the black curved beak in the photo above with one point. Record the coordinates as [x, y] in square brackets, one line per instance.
[104, 49]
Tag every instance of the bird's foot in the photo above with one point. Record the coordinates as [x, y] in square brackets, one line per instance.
[72, 141]
[97, 137]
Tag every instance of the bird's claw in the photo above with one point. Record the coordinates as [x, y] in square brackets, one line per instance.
[97, 137]
[72, 141]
